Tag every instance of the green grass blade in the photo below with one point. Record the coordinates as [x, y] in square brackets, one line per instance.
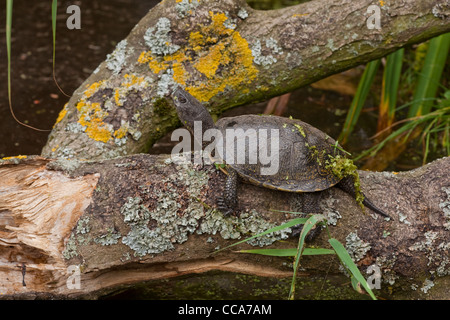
[391, 80]
[430, 75]
[350, 265]
[54, 12]
[291, 252]
[309, 224]
[9, 9]
[358, 101]
[288, 224]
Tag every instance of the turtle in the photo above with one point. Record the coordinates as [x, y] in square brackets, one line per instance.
[304, 153]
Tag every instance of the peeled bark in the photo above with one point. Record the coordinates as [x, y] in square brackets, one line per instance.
[130, 220]
[225, 54]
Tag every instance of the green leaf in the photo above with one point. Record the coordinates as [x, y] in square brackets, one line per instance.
[428, 82]
[391, 80]
[9, 9]
[309, 225]
[350, 265]
[291, 252]
[359, 99]
[54, 12]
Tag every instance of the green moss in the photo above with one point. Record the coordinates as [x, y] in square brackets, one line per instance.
[300, 129]
[343, 167]
[162, 107]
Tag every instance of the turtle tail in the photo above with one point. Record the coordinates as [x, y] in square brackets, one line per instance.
[347, 185]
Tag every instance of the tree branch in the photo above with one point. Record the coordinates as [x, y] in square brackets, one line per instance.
[225, 54]
[140, 218]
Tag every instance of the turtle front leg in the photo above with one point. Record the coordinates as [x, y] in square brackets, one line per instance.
[308, 202]
[228, 202]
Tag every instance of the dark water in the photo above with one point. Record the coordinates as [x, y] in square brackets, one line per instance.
[35, 97]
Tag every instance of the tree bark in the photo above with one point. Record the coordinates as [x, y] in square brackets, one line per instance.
[130, 220]
[225, 54]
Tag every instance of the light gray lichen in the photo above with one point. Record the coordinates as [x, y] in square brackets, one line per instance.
[387, 265]
[117, 59]
[265, 60]
[64, 165]
[230, 23]
[445, 206]
[402, 218]
[430, 237]
[75, 127]
[427, 285]
[243, 14]
[439, 12]
[437, 254]
[186, 7]
[83, 226]
[70, 248]
[271, 43]
[330, 45]
[329, 210]
[168, 227]
[293, 59]
[158, 38]
[110, 238]
[356, 247]
[165, 82]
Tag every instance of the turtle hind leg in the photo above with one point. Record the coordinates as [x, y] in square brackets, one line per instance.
[308, 202]
[228, 203]
[347, 185]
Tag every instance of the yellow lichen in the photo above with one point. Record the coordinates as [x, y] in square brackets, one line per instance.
[117, 97]
[61, 115]
[212, 47]
[92, 89]
[15, 157]
[299, 15]
[121, 132]
[131, 80]
[209, 63]
[91, 116]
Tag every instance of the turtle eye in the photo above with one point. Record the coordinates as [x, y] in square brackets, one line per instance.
[182, 99]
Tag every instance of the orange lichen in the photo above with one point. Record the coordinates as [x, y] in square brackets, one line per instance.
[117, 97]
[215, 47]
[91, 116]
[15, 157]
[92, 89]
[121, 132]
[131, 79]
[61, 115]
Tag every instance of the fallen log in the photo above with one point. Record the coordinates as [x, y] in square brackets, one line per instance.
[85, 229]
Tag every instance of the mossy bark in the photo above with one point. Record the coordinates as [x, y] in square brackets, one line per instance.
[225, 54]
[143, 219]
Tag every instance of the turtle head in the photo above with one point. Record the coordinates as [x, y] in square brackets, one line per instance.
[190, 110]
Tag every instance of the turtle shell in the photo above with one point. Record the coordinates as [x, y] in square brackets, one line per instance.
[289, 155]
